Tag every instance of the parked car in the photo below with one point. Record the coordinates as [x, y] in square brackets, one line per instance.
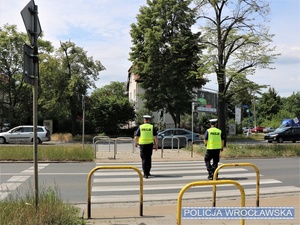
[246, 129]
[167, 136]
[24, 134]
[269, 129]
[284, 134]
[257, 129]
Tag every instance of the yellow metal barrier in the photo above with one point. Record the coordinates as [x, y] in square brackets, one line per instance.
[234, 165]
[202, 183]
[113, 167]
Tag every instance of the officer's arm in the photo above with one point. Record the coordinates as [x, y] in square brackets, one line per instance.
[205, 138]
[136, 141]
[136, 137]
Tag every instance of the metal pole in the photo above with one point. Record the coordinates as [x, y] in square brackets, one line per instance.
[83, 120]
[192, 129]
[35, 99]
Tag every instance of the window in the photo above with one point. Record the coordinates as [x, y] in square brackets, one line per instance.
[27, 129]
[18, 130]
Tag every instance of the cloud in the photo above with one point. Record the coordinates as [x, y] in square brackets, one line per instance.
[101, 27]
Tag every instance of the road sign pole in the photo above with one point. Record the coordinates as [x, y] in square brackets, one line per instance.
[35, 99]
[33, 27]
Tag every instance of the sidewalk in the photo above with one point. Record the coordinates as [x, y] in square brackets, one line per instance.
[165, 212]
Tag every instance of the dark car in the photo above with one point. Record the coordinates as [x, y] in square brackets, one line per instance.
[176, 137]
[284, 134]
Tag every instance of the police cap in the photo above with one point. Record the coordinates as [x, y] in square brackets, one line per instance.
[147, 117]
[213, 121]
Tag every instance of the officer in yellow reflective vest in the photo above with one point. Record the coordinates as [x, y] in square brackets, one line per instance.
[214, 142]
[145, 135]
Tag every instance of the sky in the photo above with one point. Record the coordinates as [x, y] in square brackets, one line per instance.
[101, 27]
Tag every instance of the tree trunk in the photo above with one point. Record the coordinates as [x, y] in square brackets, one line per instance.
[222, 112]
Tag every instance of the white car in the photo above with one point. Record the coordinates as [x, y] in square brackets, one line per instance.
[24, 134]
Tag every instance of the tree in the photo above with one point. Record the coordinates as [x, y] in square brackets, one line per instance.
[12, 86]
[109, 108]
[268, 105]
[292, 104]
[165, 55]
[78, 73]
[237, 43]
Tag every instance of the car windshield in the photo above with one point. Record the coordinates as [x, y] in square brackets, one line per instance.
[280, 129]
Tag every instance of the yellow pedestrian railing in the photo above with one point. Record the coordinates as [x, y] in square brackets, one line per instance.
[235, 165]
[203, 183]
[89, 181]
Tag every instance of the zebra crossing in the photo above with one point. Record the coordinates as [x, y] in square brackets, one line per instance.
[6, 188]
[170, 177]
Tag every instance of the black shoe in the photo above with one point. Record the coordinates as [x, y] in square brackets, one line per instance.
[210, 176]
[146, 176]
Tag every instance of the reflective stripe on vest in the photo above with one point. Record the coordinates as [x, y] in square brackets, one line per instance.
[214, 138]
[146, 131]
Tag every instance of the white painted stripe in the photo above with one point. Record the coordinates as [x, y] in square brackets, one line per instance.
[156, 163]
[168, 176]
[191, 195]
[28, 171]
[3, 195]
[173, 187]
[9, 186]
[156, 171]
[18, 178]
[31, 169]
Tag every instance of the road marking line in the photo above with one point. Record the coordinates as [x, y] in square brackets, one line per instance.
[18, 178]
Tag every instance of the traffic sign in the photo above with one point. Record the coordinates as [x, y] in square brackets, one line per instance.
[28, 65]
[31, 21]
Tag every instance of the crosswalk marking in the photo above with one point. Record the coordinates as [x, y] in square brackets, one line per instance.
[14, 182]
[170, 177]
[189, 195]
[174, 186]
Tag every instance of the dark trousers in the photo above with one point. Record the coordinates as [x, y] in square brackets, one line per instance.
[146, 156]
[212, 155]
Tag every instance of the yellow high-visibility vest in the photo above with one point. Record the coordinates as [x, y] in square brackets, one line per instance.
[214, 138]
[146, 131]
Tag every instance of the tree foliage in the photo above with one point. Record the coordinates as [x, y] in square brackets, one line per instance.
[237, 42]
[268, 105]
[109, 108]
[70, 73]
[165, 55]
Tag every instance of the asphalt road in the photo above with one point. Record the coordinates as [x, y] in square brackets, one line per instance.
[71, 178]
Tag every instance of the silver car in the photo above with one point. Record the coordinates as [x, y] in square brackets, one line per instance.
[24, 134]
[176, 137]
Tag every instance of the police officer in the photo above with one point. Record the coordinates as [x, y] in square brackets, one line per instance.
[214, 142]
[144, 137]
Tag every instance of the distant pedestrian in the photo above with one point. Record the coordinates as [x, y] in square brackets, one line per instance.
[145, 135]
[214, 142]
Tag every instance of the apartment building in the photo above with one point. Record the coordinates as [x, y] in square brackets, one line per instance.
[206, 101]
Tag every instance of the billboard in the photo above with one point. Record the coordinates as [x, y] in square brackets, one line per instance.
[207, 101]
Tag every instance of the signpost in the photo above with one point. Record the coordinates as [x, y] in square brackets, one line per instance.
[31, 73]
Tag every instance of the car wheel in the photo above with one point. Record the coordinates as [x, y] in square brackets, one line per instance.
[2, 140]
[38, 141]
[269, 141]
[280, 140]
